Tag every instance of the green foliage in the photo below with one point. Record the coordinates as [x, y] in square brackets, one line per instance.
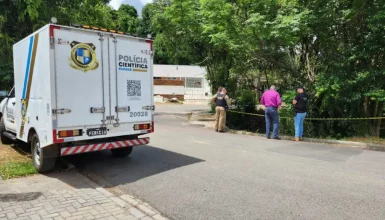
[246, 122]
[127, 19]
[20, 18]
[334, 48]
[145, 26]
[16, 169]
[246, 101]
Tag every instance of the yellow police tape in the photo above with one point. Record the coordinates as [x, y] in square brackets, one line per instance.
[315, 119]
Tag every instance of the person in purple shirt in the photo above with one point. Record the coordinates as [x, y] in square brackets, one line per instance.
[272, 102]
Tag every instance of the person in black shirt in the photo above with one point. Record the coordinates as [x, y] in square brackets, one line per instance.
[300, 103]
[222, 102]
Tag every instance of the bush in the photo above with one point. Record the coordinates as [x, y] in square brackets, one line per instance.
[337, 129]
[246, 101]
[244, 122]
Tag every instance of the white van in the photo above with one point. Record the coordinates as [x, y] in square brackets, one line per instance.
[79, 89]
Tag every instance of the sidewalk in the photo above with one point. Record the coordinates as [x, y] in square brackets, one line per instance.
[185, 108]
[67, 195]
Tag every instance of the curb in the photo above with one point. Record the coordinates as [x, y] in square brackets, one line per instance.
[173, 113]
[180, 113]
[136, 207]
[367, 146]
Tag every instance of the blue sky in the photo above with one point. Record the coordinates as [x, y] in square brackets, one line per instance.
[138, 4]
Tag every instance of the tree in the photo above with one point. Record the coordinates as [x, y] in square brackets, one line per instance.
[145, 24]
[128, 19]
[20, 18]
[334, 49]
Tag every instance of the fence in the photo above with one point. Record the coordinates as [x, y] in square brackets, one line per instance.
[313, 127]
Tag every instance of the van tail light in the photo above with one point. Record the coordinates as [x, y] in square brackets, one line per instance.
[142, 126]
[70, 133]
[152, 128]
[55, 139]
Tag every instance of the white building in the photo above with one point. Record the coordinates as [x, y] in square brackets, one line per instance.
[179, 80]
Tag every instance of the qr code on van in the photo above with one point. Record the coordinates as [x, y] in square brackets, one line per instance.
[134, 88]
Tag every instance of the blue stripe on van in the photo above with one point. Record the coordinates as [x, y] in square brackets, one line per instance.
[27, 67]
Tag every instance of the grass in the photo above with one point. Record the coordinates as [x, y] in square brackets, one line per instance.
[14, 162]
[16, 169]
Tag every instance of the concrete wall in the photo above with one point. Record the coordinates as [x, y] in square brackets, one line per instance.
[165, 82]
[164, 85]
[178, 71]
[198, 94]
[169, 90]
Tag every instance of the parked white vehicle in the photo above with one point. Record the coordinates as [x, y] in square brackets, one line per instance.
[79, 89]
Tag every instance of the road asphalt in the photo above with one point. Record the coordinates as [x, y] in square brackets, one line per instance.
[193, 173]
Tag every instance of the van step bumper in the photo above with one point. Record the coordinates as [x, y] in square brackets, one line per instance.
[65, 151]
[10, 135]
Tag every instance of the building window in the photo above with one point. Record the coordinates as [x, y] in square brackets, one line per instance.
[171, 78]
[194, 82]
[157, 78]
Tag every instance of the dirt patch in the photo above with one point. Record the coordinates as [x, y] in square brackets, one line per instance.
[371, 140]
[13, 153]
[203, 116]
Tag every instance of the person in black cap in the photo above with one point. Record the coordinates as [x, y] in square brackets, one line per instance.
[222, 102]
[300, 103]
[219, 90]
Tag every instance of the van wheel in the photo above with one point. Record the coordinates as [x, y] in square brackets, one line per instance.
[40, 163]
[121, 152]
[4, 139]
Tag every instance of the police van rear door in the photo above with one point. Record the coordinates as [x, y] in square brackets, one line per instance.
[131, 79]
[82, 92]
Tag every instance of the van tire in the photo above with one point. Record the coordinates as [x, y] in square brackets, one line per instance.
[4, 139]
[40, 163]
[121, 152]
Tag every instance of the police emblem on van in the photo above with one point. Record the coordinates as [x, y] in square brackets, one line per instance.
[83, 56]
[23, 111]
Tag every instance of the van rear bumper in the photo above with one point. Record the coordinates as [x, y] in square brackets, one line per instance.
[65, 151]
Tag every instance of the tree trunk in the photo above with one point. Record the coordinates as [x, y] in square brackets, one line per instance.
[257, 86]
[267, 80]
[373, 109]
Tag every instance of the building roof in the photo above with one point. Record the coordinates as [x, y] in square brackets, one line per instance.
[179, 71]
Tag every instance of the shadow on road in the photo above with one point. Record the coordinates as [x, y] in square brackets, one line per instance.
[144, 161]
[19, 197]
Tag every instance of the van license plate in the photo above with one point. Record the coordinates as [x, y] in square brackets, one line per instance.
[96, 131]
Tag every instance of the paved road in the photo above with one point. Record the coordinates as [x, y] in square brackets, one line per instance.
[194, 173]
